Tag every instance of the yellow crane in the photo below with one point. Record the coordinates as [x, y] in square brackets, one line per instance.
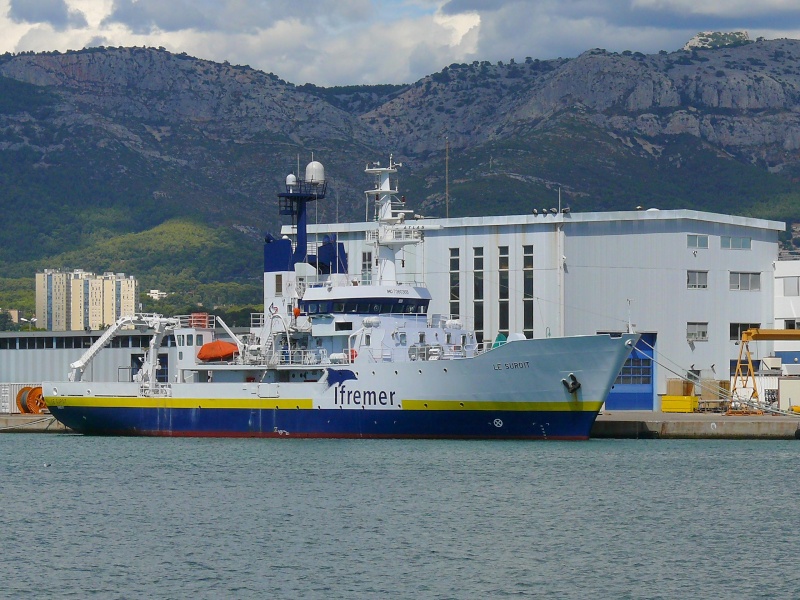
[745, 380]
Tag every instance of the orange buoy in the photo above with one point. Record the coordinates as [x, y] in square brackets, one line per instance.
[22, 399]
[35, 401]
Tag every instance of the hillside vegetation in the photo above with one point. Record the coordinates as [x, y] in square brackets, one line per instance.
[167, 167]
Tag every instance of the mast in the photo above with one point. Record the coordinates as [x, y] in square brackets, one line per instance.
[391, 236]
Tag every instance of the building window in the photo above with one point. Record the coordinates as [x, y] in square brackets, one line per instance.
[697, 241]
[503, 277]
[729, 242]
[745, 281]
[636, 371]
[527, 291]
[366, 268]
[697, 332]
[738, 328]
[791, 286]
[455, 282]
[696, 280]
[790, 323]
[477, 292]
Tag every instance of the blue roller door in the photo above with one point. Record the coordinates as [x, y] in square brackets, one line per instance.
[634, 388]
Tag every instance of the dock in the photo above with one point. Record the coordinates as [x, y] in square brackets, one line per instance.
[42, 423]
[658, 425]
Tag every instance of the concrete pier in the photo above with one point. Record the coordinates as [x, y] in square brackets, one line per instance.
[30, 424]
[658, 425]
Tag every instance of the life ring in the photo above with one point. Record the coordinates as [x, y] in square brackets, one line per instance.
[353, 354]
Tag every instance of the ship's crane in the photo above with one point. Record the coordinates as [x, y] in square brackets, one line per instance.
[745, 377]
[160, 324]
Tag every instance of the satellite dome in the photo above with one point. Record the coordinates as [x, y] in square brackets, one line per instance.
[291, 180]
[315, 172]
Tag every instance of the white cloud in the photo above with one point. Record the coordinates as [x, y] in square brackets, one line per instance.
[340, 42]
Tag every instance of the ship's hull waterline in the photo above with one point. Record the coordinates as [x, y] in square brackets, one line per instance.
[515, 391]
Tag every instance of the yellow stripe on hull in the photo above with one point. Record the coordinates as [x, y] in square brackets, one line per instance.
[308, 404]
[583, 406]
[131, 402]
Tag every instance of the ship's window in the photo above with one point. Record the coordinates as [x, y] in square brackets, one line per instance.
[189, 340]
[338, 307]
[350, 307]
[421, 337]
[311, 308]
[367, 340]
[279, 284]
[199, 339]
[376, 308]
[402, 337]
[448, 336]
[386, 308]
[180, 340]
[363, 308]
[343, 326]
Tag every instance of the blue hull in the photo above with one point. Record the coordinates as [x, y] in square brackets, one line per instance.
[205, 422]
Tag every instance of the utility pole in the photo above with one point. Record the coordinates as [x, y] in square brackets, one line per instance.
[447, 177]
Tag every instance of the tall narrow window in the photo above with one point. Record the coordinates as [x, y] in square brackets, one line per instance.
[503, 277]
[279, 284]
[477, 292]
[366, 268]
[455, 282]
[527, 291]
[791, 286]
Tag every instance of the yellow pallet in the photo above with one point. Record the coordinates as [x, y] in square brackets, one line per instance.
[679, 404]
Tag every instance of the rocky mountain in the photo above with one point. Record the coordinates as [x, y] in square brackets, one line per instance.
[114, 143]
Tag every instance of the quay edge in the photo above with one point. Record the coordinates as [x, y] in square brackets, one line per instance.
[42, 423]
[657, 425]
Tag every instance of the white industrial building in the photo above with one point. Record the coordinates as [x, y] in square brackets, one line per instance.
[689, 281]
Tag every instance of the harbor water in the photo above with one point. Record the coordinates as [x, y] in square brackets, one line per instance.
[86, 517]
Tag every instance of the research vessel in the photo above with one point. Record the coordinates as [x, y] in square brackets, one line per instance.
[335, 356]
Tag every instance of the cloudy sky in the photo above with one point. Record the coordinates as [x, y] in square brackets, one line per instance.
[342, 42]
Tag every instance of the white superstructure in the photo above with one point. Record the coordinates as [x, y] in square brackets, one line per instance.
[690, 281]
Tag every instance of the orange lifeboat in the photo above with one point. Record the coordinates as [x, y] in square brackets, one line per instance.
[217, 350]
